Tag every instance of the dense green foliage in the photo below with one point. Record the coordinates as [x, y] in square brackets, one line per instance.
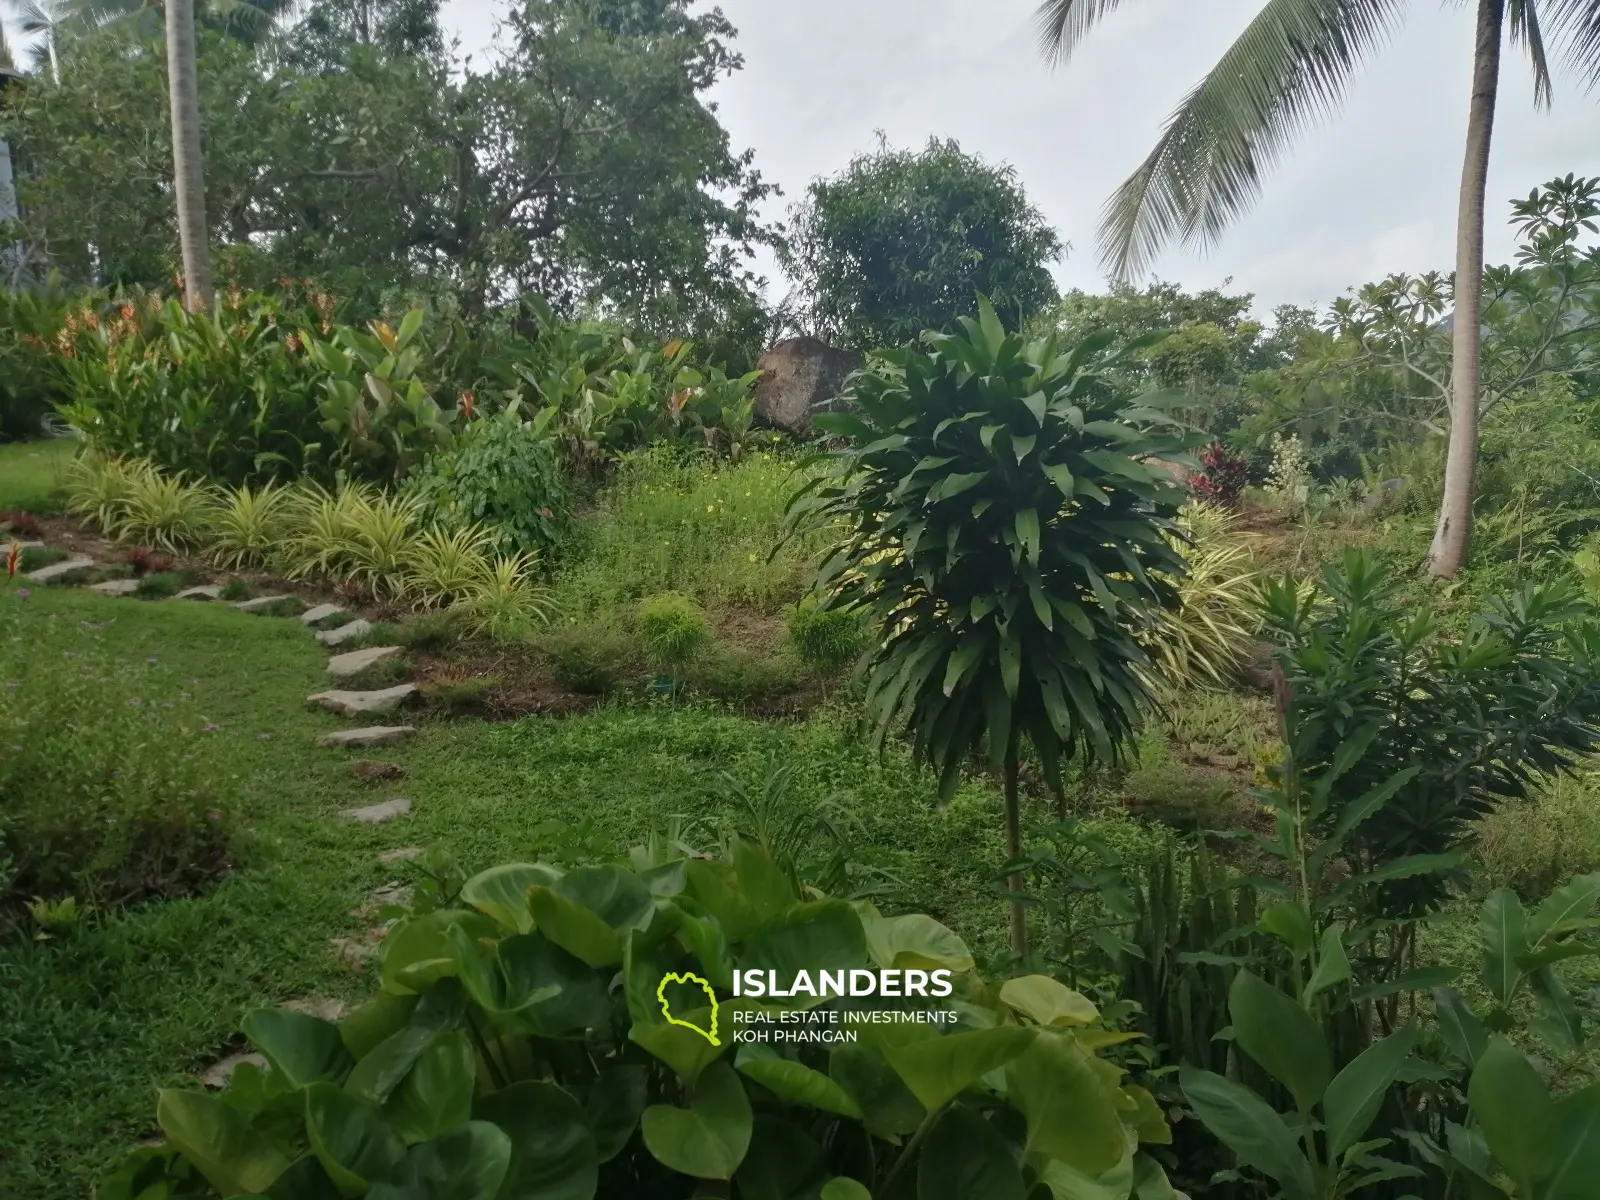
[462, 1073]
[904, 241]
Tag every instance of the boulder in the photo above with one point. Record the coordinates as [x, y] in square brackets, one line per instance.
[801, 377]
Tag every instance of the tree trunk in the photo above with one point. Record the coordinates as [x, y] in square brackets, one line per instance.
[1019, 911]
[189, 185]
[1450, 536]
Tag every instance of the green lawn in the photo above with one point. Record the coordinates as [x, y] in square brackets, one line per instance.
[31, 473]
[92, 1022]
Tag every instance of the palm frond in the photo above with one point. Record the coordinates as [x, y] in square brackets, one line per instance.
[1285, 72]
[1576, 23]
[1523, 17]
[1062, 24]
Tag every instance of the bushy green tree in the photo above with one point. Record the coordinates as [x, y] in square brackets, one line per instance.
[902, 241]
[1002, 527]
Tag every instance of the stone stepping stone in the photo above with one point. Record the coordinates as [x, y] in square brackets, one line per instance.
[33, 545]
[377, 814]
[370, 770]
[315, 616]
[67, 566]
[220, 1072]
[365, 739]
[322, 1008]
[207, 592]
[402, 854]
[355, 704]
[352, 953]
[116, 587]
[260, 602]
[356, 661]
[345, 633]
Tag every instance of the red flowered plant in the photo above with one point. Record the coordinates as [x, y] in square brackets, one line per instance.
[21, 522]
[13, 560]
[145, 561]
[1222, 477]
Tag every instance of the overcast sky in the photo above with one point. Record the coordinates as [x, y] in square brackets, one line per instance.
[1371, 193]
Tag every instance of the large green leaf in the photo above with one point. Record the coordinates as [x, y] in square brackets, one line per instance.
[765, 886]
[796, 1083]
[825, 935]
[887, 1105]
[575, 928]
[219, 1142]
[553, 1151]
[915, 942]
[350, 1138]
[501, 893]
[390, 1061]
[372, 1022]
[436, 1095]
[685, 1051]
[715, 886]
[1459, 1025]
[709, 1139]
[843, 1188]
[1048, 1001]
[1356, 1093]
[784, 1163]
[1276, 1032]
[529, 983]
[301, 1048]
[468, 1163]
[1065, 1183]
[1516, 1114]
[1071, 1112]
[617, 896]
[1244, 1123]
[416, 953]
[1504, 930]
[937, 1069]
[1565, 907]
[1572, 1176]
[966, 1158]
[616, 1098]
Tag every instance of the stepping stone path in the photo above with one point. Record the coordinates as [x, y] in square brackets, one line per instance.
[209, 592]
[364, 739]
[377, 814]
[220, 1072]
[341, 666]
[345, 633]
[116, 587]
[355, 704]
[314, 616]
[260, 602]
[402, 854]
[369, 770]
[60, 570]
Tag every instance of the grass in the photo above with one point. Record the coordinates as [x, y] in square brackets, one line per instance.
[33, 473]
[94, 1020]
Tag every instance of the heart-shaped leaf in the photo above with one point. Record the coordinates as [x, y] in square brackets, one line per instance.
[708, 1139]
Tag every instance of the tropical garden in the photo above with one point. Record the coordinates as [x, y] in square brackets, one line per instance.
[427, 668]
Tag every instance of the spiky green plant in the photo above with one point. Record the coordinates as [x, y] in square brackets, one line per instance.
[510, 602]
[249, 526]
[442, 566]
[322, 522]
[164, 510]
[1204, 639]
[382, 536]
[100, 486]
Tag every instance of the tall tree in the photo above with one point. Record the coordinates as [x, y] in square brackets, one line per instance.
[1286, 71]
[188, 172]
[902, 241]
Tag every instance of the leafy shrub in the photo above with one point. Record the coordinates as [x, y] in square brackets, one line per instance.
[160, 585]
[1222, 477]
[145, 561]
[588, 659]
[503, 475]
[741, 676]
[1531, 845]
[105, 797]
[468, 693]
[672, 629]
[35, 338]
[444, 566]
[1204, 639]
[509, 603]
[827, 639]
[236, 590]
[522, 1034]
[35, 557]
[429, 632]
[249, 525]
[165, 510]
[99, 488]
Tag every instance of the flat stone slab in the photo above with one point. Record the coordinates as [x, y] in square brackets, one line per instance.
[354, 704]
[402, 854]
[33, 545]
[357, 661]
[345, 633]
[260, 602]
[377, 814]
[62, 569]
[116, 587]
[321, 612]
[207, 592]
[220, 1072]
[365, 739]
[320, 1007]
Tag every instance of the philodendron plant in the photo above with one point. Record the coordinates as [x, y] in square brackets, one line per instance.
[558, 1035]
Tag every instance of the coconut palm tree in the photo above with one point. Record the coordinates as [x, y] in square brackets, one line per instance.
[188, 171]
[1286, 71]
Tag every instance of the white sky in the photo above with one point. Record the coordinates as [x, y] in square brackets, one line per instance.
[1371, 193]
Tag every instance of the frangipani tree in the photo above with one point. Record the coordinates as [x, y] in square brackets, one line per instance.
[1286, 72]
[1001, 521]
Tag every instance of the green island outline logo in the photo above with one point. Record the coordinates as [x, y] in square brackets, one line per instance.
[688, 977]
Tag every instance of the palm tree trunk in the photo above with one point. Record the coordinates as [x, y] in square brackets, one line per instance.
[1450, 536]
[1019, 913]
[189, 183]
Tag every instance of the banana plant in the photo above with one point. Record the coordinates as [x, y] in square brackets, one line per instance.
[1319, 1151]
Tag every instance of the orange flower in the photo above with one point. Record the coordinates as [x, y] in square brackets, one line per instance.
[292, 342]
[13, 560]
[465, 405]
[126, 312]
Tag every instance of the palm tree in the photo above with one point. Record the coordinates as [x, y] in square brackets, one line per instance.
[188, 172]
[42, 21]
[1287, 70]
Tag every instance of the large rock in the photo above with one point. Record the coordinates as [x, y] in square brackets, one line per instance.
[342, 666]
[355, 704]
[76, 565]
[799, 378]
